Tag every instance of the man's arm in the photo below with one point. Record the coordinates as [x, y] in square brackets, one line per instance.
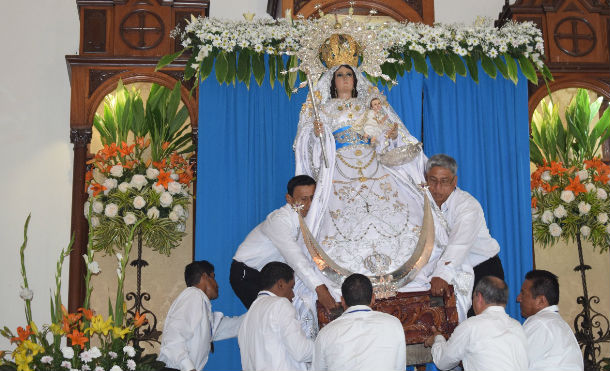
[226, 327]
[318, 362]
[539, 340]
[299, 346]
[280, 231]
[447, 354]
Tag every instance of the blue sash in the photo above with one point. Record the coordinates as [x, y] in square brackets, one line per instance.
[345, 136]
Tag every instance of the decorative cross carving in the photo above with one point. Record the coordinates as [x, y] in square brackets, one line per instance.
[141, 29]
[575, 37]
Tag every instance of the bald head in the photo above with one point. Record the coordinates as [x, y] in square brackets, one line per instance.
[493, 290]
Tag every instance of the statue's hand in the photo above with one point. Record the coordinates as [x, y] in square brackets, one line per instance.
[325, 298]
[393, 134]
[318, 128]
[438, 286]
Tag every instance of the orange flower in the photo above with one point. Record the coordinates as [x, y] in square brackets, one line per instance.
[139, 320]
[164, 178]
[576, 186]
[142, 143]
[23, 334]
[557, 168]
[165, 145]
[78, 338]
[185, 177]
[534, 202]
[125, 149]
[109, 151]
[97, 188]
[176, 159]
[129, 164]
[596, 162]
[548, 188]
[603, 177]
[87, 313]
[160, 165]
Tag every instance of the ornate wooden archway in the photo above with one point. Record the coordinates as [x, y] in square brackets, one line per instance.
[119, 39]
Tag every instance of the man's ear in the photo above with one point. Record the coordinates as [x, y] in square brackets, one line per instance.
[343, 303]
[372, 300]
[541, 302]
[289, 198]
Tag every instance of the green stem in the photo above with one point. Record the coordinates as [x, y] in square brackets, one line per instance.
[118, 309]
[28, 309]
[90, 255]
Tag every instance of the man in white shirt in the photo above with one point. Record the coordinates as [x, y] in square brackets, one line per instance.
[270, 337]
[469, 240]
[552, 345]
[491, 340]
[361, 338]
[191, 326]
[275, 239]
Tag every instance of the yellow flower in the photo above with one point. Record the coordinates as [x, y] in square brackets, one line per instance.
[33, 347]
[99, 326]
[24, 354]
[34, 328]
[56, 329]
[120, 332]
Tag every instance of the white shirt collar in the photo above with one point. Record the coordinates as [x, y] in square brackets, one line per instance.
[358, 308]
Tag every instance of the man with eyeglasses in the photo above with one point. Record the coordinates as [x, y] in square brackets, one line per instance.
[469, 244]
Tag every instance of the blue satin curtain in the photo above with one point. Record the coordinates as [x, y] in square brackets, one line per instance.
[245, 158]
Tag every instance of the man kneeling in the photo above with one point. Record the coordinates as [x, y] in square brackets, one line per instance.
[361, 338]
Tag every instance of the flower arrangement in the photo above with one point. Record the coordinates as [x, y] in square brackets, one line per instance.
[146, 181]
[237, 48]
[84, 340]
[570, 186]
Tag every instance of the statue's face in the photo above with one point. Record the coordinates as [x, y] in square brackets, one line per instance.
[344, 81]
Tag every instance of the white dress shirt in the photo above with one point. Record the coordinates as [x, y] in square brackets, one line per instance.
[270, 337]
[361, 339]
[275, 239]
[552, 345]
[189, 329]
[488, 341]
[469, 239]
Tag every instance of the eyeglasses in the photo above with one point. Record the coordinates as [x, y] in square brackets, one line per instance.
[445, 182]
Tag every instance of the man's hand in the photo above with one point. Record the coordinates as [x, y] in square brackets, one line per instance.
[430, 340]
[318, 129]
[438, 286]
[325, 298]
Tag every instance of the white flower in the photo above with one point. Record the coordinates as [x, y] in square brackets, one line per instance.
[602, 218]
[129, 350]
[178, 209]
[582, 175]
[583, 208]
[585, 231]
[590, 187]
[560, 212]
[115, 367]
[567, 196]
[174, 176]
[110, 184]
[130, 218]
[547, 217]
[95, 221]
[601, 194]
[608, 229]
[131, 364]
[85, 368]
[119, 256]
[98, 207]
[153, 213]
[86, 208]
[111, 210]
[546, 176]
[119, 274]
[555, 230]
[174, 188]
[99, 368]
[67, 352]
[116, 171]
[66, 364]
[139, 202]
[124, 186]
[94, 267]
[173, 216]
[180, 227]
[152, 173]
[166, 199]
[46, 359]
[95, 352]
[158, 188]
[138, 181]
[25, 293]
[86, 357]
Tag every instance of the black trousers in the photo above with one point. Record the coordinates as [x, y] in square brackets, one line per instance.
[490, 267]
[169, 369]
[245, 281]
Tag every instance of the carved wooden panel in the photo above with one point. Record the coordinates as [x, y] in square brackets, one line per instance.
[94, 36]
[412, 10]
[97, 78]
[418, 312]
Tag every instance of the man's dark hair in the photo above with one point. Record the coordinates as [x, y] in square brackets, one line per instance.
[194, 270]
[333, 86]
[544, 283]
[357, 290]
[299, 180]
[493, 290]
[273, 272]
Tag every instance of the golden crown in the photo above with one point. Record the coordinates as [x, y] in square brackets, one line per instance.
[340, 49]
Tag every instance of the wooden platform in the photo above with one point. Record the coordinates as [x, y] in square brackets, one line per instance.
[418, 312]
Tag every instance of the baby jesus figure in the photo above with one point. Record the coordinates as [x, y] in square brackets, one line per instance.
[376, 124]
